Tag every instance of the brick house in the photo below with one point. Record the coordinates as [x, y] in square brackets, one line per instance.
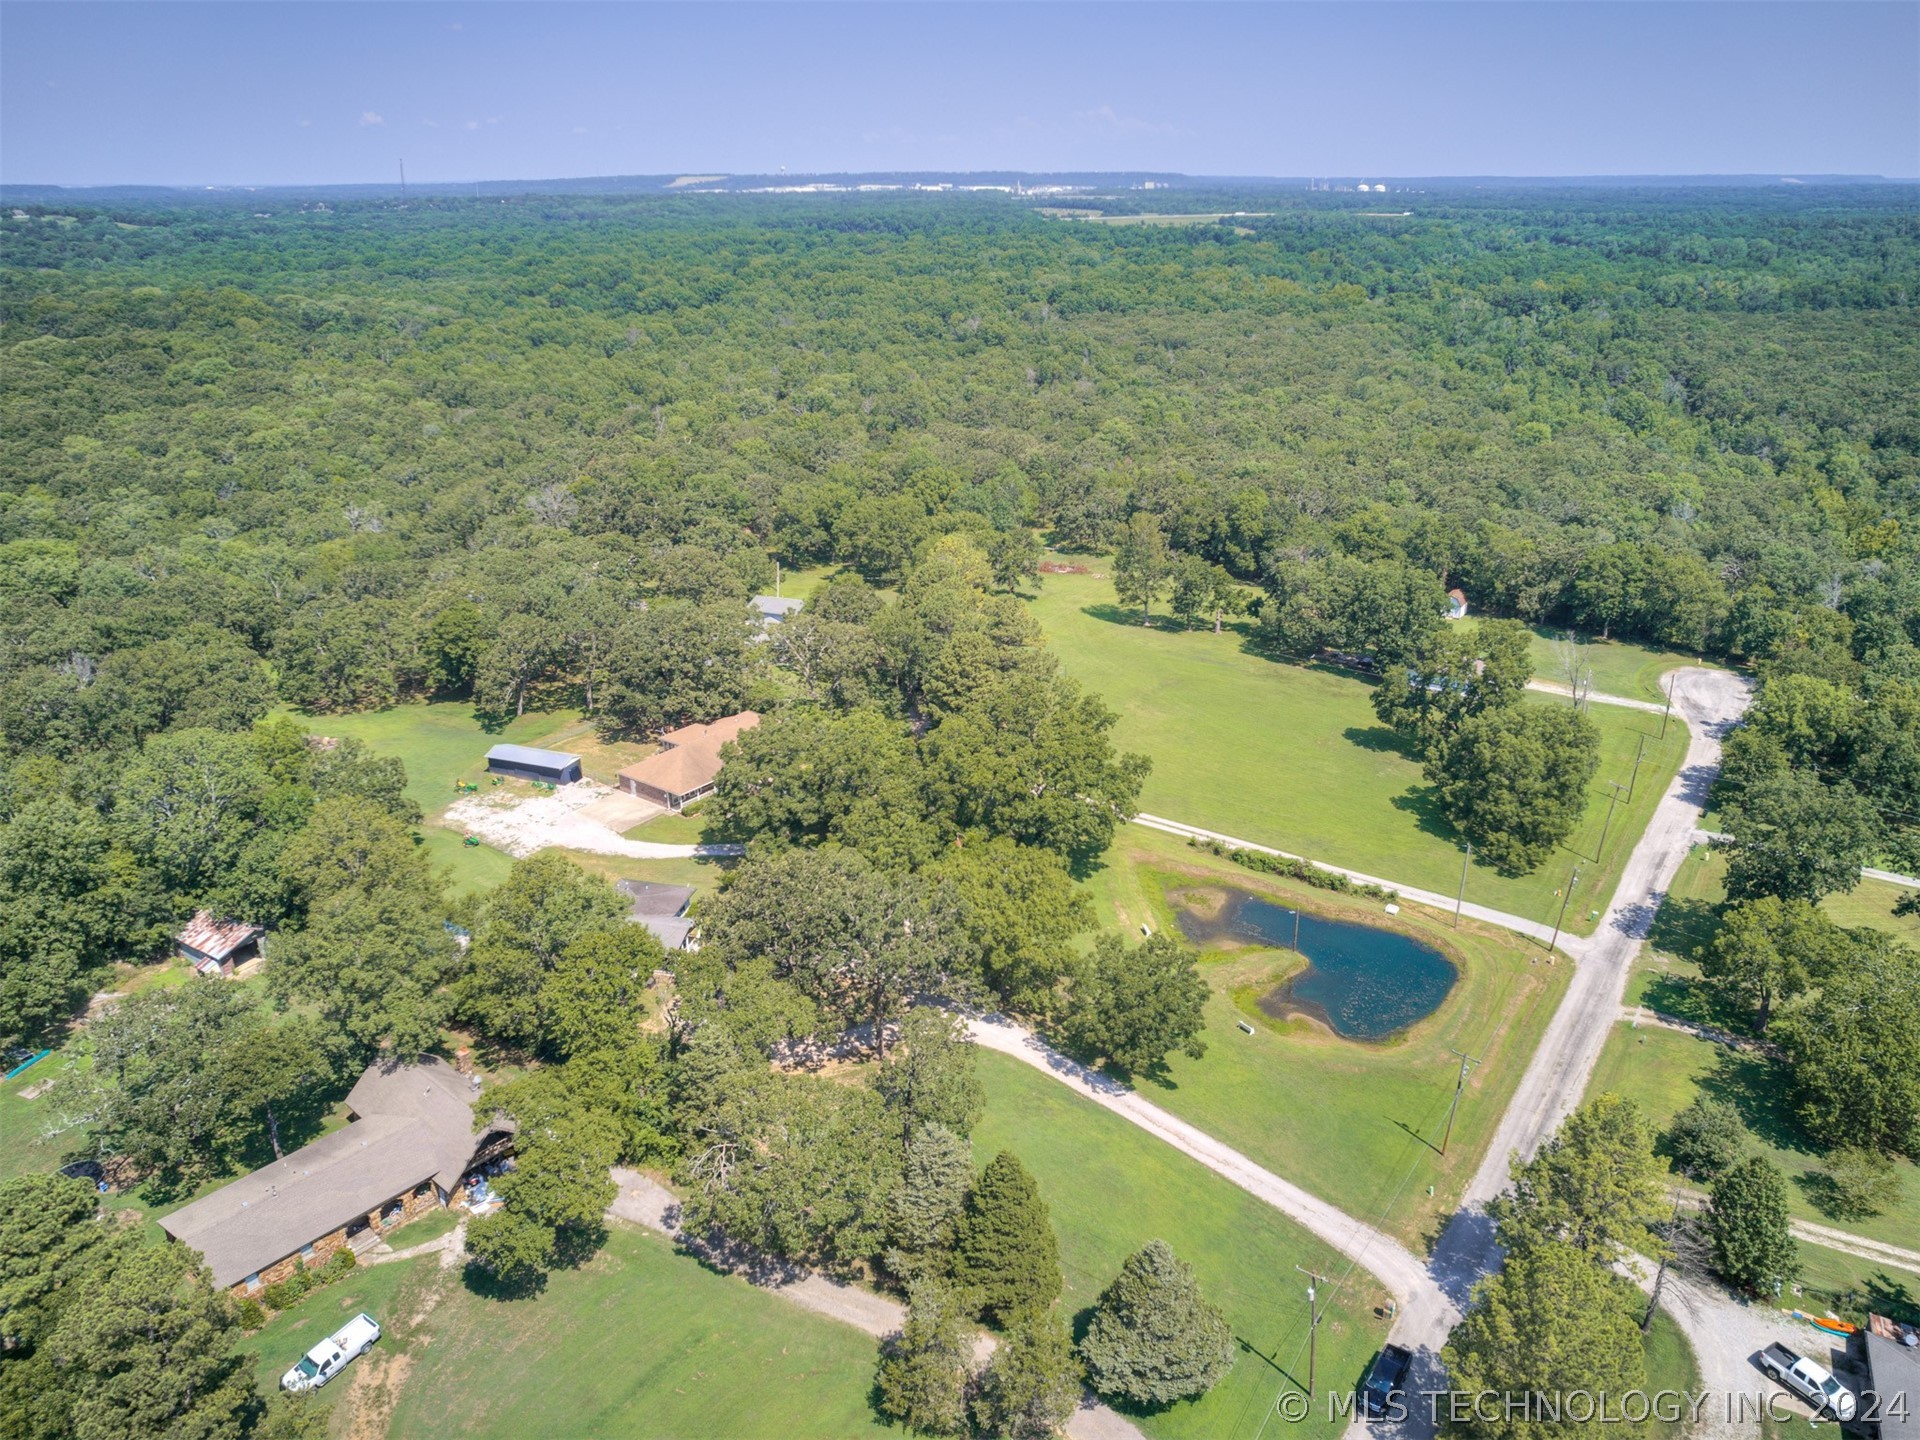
[408, 1147]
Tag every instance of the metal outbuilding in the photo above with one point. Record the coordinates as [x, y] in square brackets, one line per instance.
[527, 763]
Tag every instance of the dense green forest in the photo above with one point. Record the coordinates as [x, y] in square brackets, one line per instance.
[535, 450]
[532, 452]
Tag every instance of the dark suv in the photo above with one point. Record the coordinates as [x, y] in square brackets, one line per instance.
[1386, 1380]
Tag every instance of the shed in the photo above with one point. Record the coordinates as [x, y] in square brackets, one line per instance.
[527, 763]
[648, 898]
[774, 610]
[1893, 1375]
[674, 932]
[1456, 604]
[220, 947]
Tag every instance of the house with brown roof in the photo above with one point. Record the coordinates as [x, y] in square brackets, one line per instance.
[408, 1149]
[220, 947]
[687, 764]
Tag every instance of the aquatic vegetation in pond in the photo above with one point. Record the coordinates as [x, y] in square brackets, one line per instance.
[1363, 982]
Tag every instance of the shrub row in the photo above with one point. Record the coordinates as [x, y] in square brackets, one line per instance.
[282, 1293]
[1304, 870]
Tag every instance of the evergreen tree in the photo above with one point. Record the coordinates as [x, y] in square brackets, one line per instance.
[1550, 1322]
[1005, 1250]
[925, 1207]
[48, 1231]
[1032, 1387]
[1706, 1137]
[1747, 1220]
[1155, 1338]
[923, 1371]
[1595, 1185]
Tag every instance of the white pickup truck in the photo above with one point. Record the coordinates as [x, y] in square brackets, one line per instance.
[1809, 1381]
[330, 1356]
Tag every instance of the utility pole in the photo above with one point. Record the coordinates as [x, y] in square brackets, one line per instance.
[1669, 710]
[1612, 800]
[403, 181]
[1314, 1313]
[1565, 896]
[1461, 899]
[1666, 1259]
[1634, 779]
[1458, 1085]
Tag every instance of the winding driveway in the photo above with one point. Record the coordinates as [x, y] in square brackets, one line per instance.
[1724, 1334]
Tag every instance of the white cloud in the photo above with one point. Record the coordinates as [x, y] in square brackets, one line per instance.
[306, 124]
[473, 124]
[431, 124]
[372, 117]
[455, 25]
[579, 129]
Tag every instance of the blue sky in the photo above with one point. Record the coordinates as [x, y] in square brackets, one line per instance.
[165, 92]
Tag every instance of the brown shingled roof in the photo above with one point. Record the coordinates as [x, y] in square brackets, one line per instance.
[413, 1123]
[689, 757]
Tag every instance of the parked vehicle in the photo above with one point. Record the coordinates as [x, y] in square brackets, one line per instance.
[1385, 1386]
[1809, 1381]
[331, 1356]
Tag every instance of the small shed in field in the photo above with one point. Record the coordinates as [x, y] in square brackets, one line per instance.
[1456, 604]
[218, 948]
[526, 763]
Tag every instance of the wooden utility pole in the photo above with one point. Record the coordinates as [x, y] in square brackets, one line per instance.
[1461, 899]
[1314, 1312]
[1634, 779]
[1671, 679]
[1612, 800]
[1458, 1085]
[1566, 895]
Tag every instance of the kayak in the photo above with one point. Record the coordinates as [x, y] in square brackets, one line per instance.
[1828, 1323]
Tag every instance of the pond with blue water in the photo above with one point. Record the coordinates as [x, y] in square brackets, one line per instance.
[1361, 981]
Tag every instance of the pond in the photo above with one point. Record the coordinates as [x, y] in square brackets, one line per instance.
[1362, 982]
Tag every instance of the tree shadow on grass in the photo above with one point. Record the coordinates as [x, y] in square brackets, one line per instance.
[1127, 615]
[1423, 803]
[1687, 999]
[1379, 739]
[1684, 928]
[1755, 1084]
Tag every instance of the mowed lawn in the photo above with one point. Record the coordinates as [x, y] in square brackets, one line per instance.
[1359, 1124]
[443, 745]
[1663, 1071]
[641, 1343]
[1292, 756]
[1620, 667]
[1111, 1188]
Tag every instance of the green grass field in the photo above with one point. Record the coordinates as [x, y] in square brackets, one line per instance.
[1670, 1366]
[1620, 667]
[639, 1342]
[375, 1289]
[1663, 1070]
[1367, 1138]
[1112, 1187]
[443, 744]
[1292, 756]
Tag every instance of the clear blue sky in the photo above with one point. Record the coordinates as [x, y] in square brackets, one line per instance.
[164, 92]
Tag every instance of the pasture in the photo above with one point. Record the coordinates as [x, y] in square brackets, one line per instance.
[1293, 757]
